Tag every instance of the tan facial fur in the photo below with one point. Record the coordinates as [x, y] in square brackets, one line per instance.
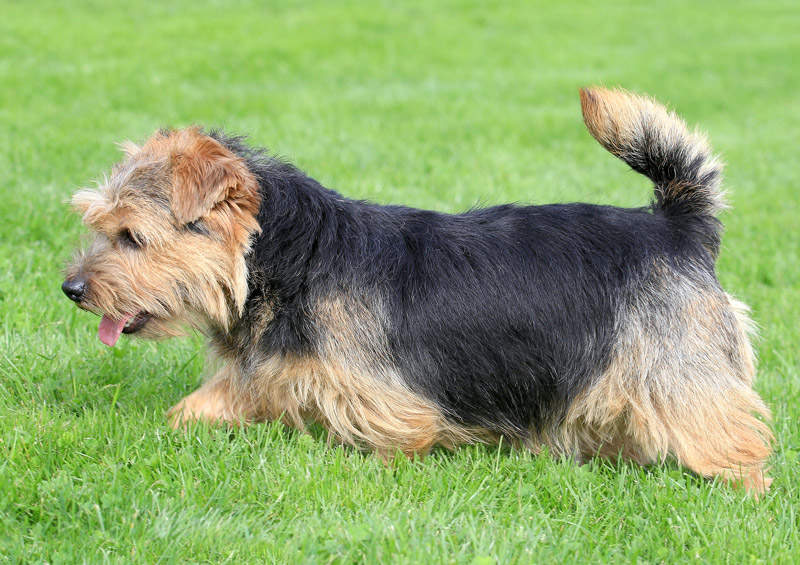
[173, 273]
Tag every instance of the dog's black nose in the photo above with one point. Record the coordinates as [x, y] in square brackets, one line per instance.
[75, 289]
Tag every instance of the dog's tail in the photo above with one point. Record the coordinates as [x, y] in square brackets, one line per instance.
[656, 143]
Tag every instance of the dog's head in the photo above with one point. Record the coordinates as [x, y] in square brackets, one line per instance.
[172, 225]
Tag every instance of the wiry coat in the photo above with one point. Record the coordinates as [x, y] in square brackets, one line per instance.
[592, 329]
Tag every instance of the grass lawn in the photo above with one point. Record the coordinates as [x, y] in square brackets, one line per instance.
[434, 104]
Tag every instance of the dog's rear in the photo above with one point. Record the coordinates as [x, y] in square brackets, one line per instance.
[680, 377]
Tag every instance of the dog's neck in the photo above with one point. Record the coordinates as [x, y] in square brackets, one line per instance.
[286, 270]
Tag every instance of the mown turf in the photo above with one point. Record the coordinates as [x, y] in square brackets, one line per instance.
[433, 104]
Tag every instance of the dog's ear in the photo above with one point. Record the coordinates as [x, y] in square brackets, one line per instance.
[207, 174]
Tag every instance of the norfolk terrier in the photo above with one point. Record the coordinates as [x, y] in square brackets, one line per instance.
[592, 330]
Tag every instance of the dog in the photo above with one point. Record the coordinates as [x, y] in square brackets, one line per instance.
[591, 330]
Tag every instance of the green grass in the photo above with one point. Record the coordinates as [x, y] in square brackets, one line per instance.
[432, 104]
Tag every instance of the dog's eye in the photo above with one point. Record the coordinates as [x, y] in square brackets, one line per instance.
[128, 239]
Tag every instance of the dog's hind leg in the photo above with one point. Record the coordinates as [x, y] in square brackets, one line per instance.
[715, 431]
[720, 437]
[679, 385]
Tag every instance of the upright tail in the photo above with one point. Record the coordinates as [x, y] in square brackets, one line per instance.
[656, 143]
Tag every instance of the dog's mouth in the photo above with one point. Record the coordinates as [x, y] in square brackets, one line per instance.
[110, 329]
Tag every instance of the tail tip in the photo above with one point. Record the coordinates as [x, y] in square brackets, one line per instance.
[604, 112]
[588, 99]
[589, 95]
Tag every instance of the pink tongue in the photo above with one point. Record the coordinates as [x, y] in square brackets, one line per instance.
[110, 330]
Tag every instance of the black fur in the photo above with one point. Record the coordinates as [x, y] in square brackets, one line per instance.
[677, 165]
[500, 315]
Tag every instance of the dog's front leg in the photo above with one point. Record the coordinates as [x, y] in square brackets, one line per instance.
[218, 400]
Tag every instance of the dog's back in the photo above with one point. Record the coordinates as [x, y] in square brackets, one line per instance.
[592, 329]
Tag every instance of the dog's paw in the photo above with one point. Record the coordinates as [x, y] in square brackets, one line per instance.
[202, 405]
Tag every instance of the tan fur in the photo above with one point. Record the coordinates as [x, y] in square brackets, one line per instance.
[746, 332]
[129, 148]
[679, 385]
[177, 276]
[216, 401]
[348, 385]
